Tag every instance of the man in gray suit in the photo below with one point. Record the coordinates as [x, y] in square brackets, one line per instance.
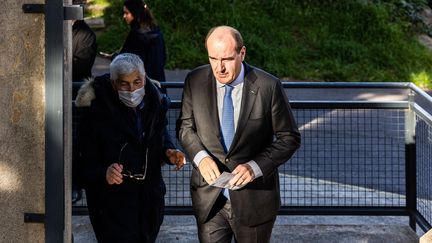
[235, 118]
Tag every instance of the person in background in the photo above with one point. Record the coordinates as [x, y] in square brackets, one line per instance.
[235, 118]
[123, 140]
[145, 38]
[84, 49]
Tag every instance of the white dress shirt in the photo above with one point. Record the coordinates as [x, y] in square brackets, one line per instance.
[236, 97]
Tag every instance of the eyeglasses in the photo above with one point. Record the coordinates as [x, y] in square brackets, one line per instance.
[127, 173]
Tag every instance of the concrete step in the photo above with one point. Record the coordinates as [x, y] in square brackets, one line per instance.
[292, 229]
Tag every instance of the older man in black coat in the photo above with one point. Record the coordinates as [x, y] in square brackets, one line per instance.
[123, 141]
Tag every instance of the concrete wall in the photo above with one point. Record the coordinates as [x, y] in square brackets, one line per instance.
[22, 111]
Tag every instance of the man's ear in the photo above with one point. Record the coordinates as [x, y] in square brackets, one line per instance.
[144, 80]
[243, 52]
[113, 84]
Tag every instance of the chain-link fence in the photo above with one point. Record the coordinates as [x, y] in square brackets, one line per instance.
[352, 161]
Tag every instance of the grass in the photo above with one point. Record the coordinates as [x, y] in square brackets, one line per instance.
[328, 40]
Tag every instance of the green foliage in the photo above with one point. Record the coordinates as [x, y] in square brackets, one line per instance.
[111, 40]
[330, 40]
[422, 79]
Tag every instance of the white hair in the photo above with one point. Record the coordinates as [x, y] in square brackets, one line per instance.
[124, 64]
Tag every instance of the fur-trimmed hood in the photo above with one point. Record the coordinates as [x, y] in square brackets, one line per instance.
[86, 93]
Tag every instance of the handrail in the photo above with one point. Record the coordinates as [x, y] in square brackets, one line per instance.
[285, 83]
[331, 85]
[346, 85]
[349, 104]
[419, 91]
[422, 113]
[346, 104]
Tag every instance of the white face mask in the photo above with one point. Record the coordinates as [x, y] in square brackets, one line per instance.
[132, 99]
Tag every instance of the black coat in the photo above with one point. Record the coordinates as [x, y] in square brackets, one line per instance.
[84, 50]
[150, 46]
[133, 210]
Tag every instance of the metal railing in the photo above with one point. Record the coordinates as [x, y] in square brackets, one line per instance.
[357, 157]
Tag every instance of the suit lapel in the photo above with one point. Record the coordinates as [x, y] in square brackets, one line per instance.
[250, 91]
[211, 106]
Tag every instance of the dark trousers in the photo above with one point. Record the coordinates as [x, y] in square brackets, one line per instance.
[223, 226]
[127, 213]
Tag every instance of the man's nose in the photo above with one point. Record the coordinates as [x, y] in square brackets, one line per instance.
[222, 66]
[132, 87]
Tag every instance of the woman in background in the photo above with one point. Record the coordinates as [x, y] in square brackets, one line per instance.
[145, 38]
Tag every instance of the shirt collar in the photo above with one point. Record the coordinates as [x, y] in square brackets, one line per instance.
[237, 81]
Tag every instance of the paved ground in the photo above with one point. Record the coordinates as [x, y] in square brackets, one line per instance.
[288, 228]
[292, 229]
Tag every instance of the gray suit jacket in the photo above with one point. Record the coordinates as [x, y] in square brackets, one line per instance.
[266, 133]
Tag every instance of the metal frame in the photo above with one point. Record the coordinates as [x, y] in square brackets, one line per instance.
[54, 147]
[337, 210]
[329, 85]
[412, 108]
[55, 117]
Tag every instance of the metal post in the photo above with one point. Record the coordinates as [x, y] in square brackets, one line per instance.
[58, 117]
[54, 147]
[410, 163]
[67, 119]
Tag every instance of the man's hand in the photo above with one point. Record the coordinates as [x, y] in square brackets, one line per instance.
[243, 175]
[113, 174]
[176, 157]
[209, 170]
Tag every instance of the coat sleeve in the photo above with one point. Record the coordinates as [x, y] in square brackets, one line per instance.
[186, 127]
[168, 142]
[84, 52]
[90, 170]
[286, 135]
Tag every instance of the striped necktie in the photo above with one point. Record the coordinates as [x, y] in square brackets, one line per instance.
[227, 124]
[228, 118]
